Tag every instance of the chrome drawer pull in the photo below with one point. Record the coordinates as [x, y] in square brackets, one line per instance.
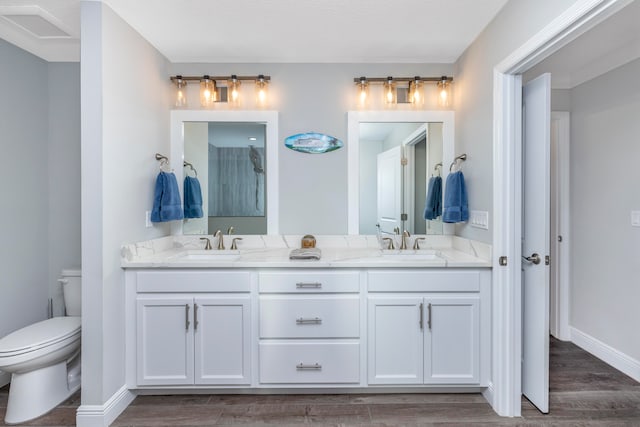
[308, 321]
[302, 367]
[311, 285]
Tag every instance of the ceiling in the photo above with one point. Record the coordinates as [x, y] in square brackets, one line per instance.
[610, 44]
[255, 31]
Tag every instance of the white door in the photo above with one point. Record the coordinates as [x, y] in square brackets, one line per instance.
[452, 340]
[395, 340]
[222, 328]
[165, 340]
[390, 189]
[535, 241]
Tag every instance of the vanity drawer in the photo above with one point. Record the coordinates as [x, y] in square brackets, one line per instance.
[309, 316]
[423, 281]
[309, 362]
[193, 281]
[310, 282]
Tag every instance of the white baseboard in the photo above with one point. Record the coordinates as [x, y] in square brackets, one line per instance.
[489, 396]
[5, 378]
[104, 415]
[610, 355]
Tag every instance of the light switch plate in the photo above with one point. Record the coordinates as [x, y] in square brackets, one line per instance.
[635, 218]
[479, 219]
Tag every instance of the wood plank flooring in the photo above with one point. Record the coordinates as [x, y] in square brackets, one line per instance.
[584, 391]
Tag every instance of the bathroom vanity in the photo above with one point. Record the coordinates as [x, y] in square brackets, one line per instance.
[358, 319]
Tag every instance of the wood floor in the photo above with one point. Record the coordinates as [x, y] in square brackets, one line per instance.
[583, 392]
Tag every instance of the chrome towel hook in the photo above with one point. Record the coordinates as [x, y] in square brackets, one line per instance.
[164, 161]
[461, 157]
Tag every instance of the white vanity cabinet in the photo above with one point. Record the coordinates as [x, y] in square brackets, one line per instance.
[309, 327]
[426, 327]
[193, 338]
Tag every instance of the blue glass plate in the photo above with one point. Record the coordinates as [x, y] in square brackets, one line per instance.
[312, 142]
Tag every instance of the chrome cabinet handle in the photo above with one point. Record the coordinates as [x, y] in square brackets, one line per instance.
[534, 258]
[311, 285]
[429, 316]
[308, 321]
[421, 316]
[305, 367]
[186, 316]
[195, 317]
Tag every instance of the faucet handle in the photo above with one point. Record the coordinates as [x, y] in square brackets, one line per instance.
[405, 233]
[230, 230]
[207, 246]
[234, 245]
[391, 245]
[416, 243]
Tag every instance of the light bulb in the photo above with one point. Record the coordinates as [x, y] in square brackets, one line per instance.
[415, 92]
[444, 92]
[234, 91]
[261, 91]
[362, 92]
[181, 94]
[207, 92]
[389, 92]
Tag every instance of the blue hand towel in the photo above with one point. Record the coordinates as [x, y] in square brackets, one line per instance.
[192, 198]
[166, 199]
[456, 207]
[433, 203]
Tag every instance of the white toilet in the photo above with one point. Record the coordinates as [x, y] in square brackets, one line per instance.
[43, 358]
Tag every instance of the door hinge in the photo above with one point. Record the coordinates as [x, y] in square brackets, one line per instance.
[502, 261]
[403, 217]
[547, 260]
[404, 161]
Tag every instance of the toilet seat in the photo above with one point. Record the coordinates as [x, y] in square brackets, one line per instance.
[40, 335]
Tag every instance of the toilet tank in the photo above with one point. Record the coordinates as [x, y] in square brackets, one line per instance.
[71, 280]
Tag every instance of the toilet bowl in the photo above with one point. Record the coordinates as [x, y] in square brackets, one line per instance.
[43, 359]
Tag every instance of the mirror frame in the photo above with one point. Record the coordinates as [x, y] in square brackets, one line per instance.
[354, 118]
[269, 118]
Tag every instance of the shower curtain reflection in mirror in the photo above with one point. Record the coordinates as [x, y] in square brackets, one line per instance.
[232, 155]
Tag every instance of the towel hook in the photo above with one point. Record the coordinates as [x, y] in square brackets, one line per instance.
[461, 157]
[187, 164]
[164, 161]
[438, 168]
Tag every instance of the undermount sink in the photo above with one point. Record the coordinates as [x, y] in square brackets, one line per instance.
[411, 255]
[211, 255]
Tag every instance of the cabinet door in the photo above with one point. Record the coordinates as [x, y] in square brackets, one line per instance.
[164, 340]
[395, 340]
[452, 350]
[222, 328]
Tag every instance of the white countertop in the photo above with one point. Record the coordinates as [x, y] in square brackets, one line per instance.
[186, 252]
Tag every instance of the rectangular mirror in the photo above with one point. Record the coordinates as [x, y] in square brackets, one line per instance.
[382, 190]
[234, 154]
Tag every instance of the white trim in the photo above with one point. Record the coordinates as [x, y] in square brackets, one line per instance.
[563, 227]
[354, 118]
[489, 394]
[104, 415]
[5, 378]
[622, 362]
[577, 19]
[270, 118]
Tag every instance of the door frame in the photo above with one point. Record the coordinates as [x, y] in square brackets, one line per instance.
[560, 217]
[505, 393]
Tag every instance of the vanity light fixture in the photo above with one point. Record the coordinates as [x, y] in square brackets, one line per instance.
[181, 93]
[362, 92]
[262, 91]
[212, 89]
[393, 85]
[444, 92]
[208, 94]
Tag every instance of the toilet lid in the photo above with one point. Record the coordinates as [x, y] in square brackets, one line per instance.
[40, 334]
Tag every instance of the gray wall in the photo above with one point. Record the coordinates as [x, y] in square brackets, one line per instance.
[125, 121]
[313, 97]
[473, 96]
[40, 134]
[23, 185]
[604, 190]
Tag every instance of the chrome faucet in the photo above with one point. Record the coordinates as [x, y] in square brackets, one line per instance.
[234, 244]
[391, 246]
[207, 246]
[403, 244]
[220, 239]
[416, 243]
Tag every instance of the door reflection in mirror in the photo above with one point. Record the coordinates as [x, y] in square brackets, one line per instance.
[396, 162]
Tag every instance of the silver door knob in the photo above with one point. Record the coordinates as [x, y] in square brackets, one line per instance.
[534, 258]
